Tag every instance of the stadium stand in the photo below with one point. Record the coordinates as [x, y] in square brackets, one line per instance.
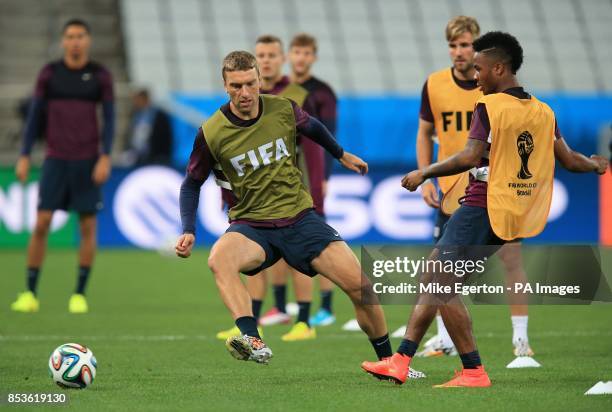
[29, 37]
[366, 47]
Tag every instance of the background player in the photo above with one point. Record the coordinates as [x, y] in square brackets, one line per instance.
[509, 126]
[447, 102]
[302, 56]
[74, 169]
[273, 217]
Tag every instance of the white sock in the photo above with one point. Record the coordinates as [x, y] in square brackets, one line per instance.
[447, 342]
[519, 328]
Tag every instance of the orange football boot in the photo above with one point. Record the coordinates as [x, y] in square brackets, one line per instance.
[394, 368]
[468, 378]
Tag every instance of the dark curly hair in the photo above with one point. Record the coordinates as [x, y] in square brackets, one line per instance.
[502, 45]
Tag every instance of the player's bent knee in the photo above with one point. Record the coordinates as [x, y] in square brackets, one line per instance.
[351, 285]
[217, 264]
[42, 226]
[220, 263]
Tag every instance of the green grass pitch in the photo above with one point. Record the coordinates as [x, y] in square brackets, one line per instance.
[153, 319]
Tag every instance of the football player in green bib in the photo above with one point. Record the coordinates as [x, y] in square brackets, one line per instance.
[252, 141]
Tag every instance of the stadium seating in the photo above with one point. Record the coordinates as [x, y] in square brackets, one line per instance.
[29, 36]
[366, 47]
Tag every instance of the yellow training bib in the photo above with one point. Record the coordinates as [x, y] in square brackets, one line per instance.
[521, 165]
[452, 108]
[450, 200]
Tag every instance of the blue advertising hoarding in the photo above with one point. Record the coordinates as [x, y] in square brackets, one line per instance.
[141, 209]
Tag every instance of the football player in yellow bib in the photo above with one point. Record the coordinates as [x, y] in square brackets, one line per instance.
[447, 103]
[505, 200]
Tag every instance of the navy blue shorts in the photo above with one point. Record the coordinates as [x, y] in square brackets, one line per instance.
[468, 226]
[298, 243]
[68, 185]
[468, 235]
[440, 224]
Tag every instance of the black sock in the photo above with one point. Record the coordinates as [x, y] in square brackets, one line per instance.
[408, 347]
[82, 279]
[256, 305]
[32, 278]
[280, 297]
[470, 360]
[326, 300]
[382, 346]
[248, 326]
[304, 313]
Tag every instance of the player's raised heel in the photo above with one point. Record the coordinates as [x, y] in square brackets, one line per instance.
[248, 348]
[394, 369]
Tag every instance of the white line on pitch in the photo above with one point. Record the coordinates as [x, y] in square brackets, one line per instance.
[349, 335]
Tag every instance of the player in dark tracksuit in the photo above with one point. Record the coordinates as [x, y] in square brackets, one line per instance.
[302, 55]
[77, 160]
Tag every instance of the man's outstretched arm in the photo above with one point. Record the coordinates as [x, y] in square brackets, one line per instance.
[314, 130]
[577, 162]
[460, 162]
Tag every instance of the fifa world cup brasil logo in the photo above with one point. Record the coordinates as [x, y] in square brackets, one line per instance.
[524, 144]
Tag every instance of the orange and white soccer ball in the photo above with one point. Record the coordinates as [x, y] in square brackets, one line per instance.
[73, 366]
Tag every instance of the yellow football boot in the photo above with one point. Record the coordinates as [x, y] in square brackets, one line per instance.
[77, 304]
[300, 331]
[26, 303]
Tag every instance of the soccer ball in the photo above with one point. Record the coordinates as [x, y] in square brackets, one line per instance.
[72, 366]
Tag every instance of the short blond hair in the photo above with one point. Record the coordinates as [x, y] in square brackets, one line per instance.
[304, 40]
[239, 60]
[462, 24]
